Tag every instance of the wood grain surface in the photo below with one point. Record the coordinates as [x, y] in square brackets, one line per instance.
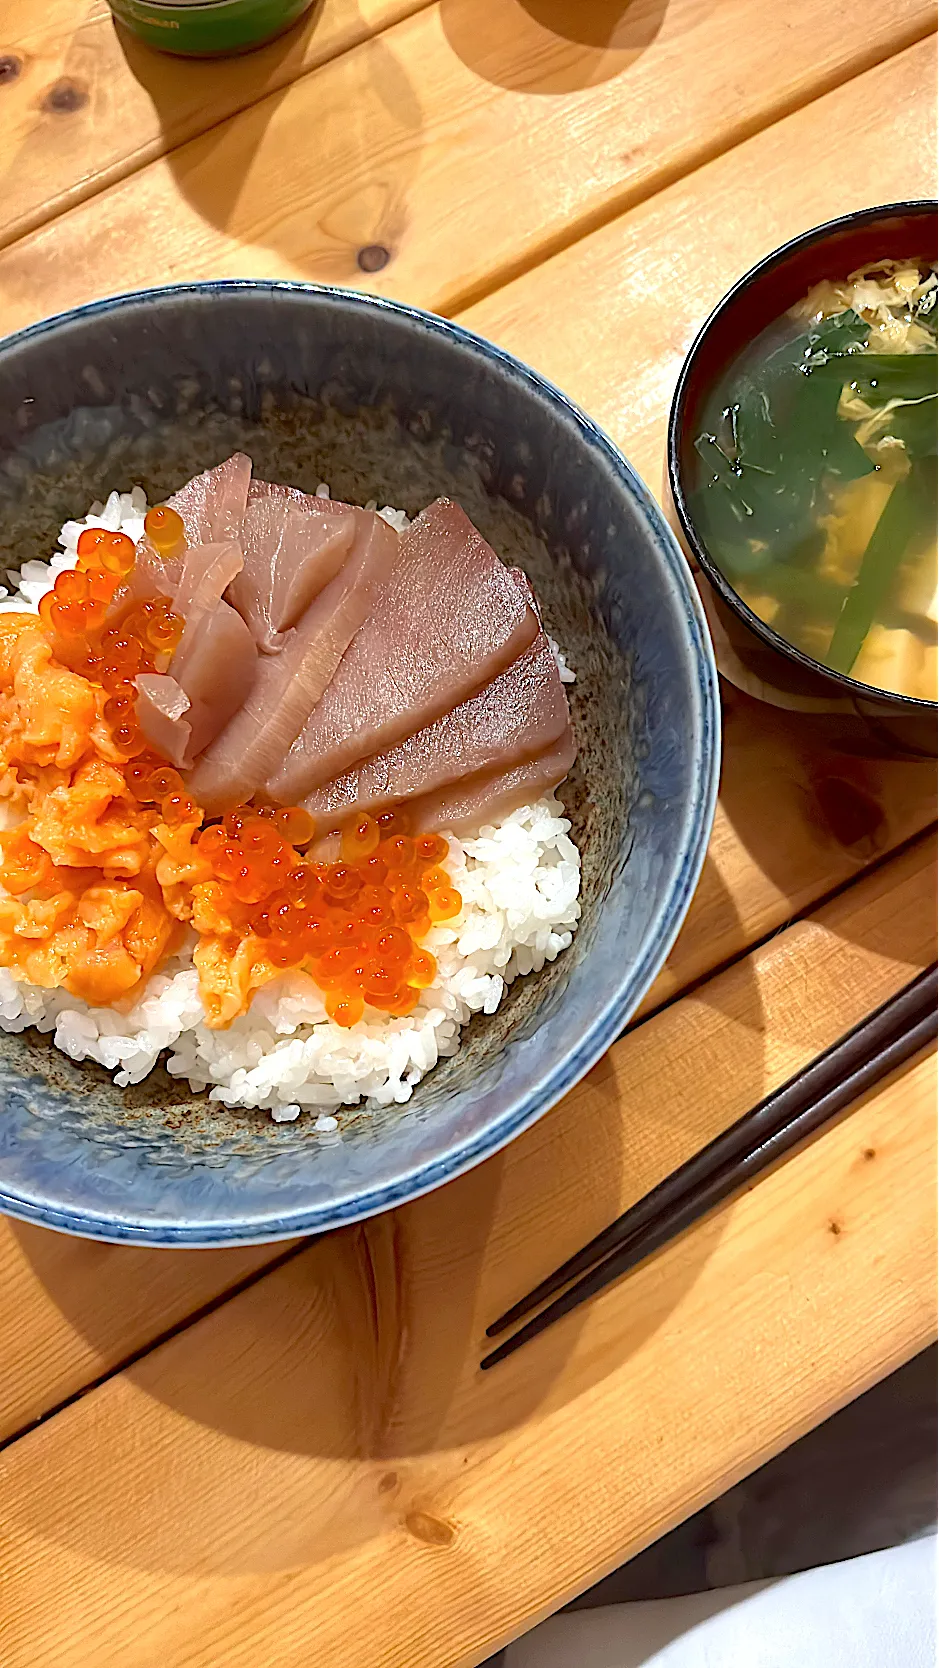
[126, 1296]
[316, 1463]
[320, 1459]
[83, 102]
[456, 148]
[647, 281]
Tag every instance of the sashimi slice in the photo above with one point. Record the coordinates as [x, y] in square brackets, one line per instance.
[451, 619]
[479, 800]
[150, 577]
[161, 709]
[213, 505]
[289, 685]
[214, 664]
[210, 677]
[517, 716]
[274, 489]
[206, 572]
[217, 669]
[293, 546]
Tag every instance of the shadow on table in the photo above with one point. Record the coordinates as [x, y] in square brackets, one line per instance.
[335, 173]
[180, 89]
[850, 807]
[337, 170]
[550, 46]
[339, 1397]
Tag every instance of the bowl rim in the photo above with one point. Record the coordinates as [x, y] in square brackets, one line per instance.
[777, 257]
[415, 1179]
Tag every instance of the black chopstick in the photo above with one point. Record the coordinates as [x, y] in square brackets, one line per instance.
[890, 1035]
[893, 1017]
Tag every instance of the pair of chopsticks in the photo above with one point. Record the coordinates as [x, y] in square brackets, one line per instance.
[890, 1035]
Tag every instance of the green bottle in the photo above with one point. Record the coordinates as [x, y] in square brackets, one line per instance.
[207, 28]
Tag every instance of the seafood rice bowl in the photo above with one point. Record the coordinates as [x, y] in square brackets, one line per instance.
[139, 922]
[322, 876]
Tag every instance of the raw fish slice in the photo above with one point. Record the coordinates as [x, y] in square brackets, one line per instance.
[517, 716]
[293, 547]
[150, 577]
[213, 505]
[161, 709]
[482, 799]
[210, 677]
[213, 667]
[198, 577]
[450, 620]
[289, 685]
[216, 667]
[207, 571]
[273, 489]
[523, 584]
[313, 549]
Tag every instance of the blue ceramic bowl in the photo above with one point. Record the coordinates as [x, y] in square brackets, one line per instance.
[383, 401]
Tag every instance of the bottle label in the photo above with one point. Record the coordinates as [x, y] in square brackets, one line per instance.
[206, 27]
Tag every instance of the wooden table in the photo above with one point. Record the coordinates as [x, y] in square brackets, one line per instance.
[287, 1456]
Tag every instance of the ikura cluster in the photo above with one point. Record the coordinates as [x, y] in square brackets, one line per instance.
[355, 924]
[112, 655]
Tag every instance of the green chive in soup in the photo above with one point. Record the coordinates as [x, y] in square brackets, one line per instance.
[816, 476]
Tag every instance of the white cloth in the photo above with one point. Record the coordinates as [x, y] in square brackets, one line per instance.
[872, 1612]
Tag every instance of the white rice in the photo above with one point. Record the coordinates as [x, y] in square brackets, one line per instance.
[520, 884]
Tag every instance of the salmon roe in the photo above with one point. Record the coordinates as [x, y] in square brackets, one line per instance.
[353, 924]
[165, 530]
[111, 655]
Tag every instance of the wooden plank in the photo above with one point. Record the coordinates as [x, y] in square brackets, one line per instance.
[83, 103]
[113, 1301]
[794, 819]
[321, 1458]
[646, 282]
[458, 148]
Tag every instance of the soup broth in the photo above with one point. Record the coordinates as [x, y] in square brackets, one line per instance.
[816, 478]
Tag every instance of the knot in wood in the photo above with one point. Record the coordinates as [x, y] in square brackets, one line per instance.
[64, 97]
[373, 257]
[433, 1531]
